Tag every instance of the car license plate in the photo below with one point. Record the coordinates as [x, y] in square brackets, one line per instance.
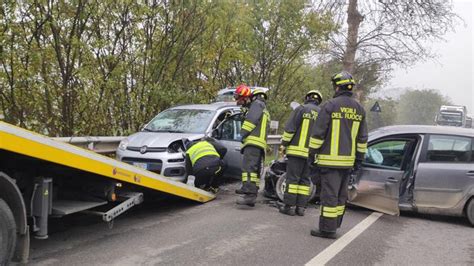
[141, 165]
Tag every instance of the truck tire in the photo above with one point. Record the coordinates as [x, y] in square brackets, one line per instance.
[7, 233]
[470, 211]
[281, 186]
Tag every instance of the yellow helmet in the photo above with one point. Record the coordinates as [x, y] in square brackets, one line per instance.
[343, 80]
[314, 95]
[259, 92]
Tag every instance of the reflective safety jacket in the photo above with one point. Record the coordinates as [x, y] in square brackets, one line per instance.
[298, 130]
[255, 127]
[201, 154]
[339, 136]
[201, 149]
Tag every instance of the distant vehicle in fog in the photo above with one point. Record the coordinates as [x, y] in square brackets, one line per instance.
[452, 116]
[469, 119]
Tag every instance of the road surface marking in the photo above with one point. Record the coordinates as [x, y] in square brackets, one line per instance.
[331, 251]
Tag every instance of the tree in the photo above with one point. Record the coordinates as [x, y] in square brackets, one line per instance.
[386, 32]
[419, 107]
[106, 67]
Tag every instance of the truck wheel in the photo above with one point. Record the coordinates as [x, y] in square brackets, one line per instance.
[280, 188]
[7, 233]
[470, 211]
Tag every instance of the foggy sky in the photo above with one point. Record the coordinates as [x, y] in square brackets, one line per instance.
[451, 73]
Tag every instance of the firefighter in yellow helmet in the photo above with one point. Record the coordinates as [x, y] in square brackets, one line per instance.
[296, 140]
[337, 146]
[254, 138]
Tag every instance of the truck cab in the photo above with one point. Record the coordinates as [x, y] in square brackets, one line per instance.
[451, 116]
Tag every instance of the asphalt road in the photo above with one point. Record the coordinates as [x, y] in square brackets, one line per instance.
[180, 232]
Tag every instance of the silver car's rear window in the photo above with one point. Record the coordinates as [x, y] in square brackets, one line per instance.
[181, 121]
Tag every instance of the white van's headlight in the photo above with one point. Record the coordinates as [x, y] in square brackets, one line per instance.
[123, 144]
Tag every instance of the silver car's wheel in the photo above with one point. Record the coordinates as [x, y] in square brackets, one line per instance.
[470, 211]
[280, 188]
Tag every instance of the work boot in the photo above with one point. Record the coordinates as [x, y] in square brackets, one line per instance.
[287, 209]
[318, 233]
[244, 189]
[247, 199]
[300, 211]
[240, 191]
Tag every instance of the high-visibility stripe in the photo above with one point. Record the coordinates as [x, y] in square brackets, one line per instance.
[254, 178]
[344, 81]
[247, 125]
[335, 163]
[340, 210]
[303, 190]
[336, 125]
[255, 141]
[329, 212]
[362, 147]
[293, 189]
[315, 143]
[287, 136]
[304, 133]
[263, 128]
[354, 131]
[245, 177]
[336, 158]
[295, 150]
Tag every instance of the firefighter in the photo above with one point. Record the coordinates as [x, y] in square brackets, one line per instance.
[296, 140]
[254, 141]
[337, 146]
[204, 161]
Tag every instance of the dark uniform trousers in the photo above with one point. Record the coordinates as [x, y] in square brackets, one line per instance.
[251, 163]
[333, 198]
[208, 171]
[298, 182]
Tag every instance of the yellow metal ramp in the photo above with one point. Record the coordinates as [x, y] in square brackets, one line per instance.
[37, 146]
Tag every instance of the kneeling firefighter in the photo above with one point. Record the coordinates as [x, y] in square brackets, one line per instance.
[296, 141]
[254, 138]
[204, 161]
[337, 145]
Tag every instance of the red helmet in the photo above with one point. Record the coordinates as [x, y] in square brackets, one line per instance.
[242, 91]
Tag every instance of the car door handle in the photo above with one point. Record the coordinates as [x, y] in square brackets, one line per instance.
[470, 173]
[392, 180]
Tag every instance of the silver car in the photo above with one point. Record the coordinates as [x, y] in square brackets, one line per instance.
[158, 146]
[426, 169]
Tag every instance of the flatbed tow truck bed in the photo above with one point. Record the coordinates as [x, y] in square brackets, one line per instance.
[29, 197]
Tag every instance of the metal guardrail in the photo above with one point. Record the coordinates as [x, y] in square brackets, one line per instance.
[102, 145]
[108, 145]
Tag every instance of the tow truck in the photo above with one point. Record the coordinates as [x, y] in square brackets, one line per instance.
[41, 178]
